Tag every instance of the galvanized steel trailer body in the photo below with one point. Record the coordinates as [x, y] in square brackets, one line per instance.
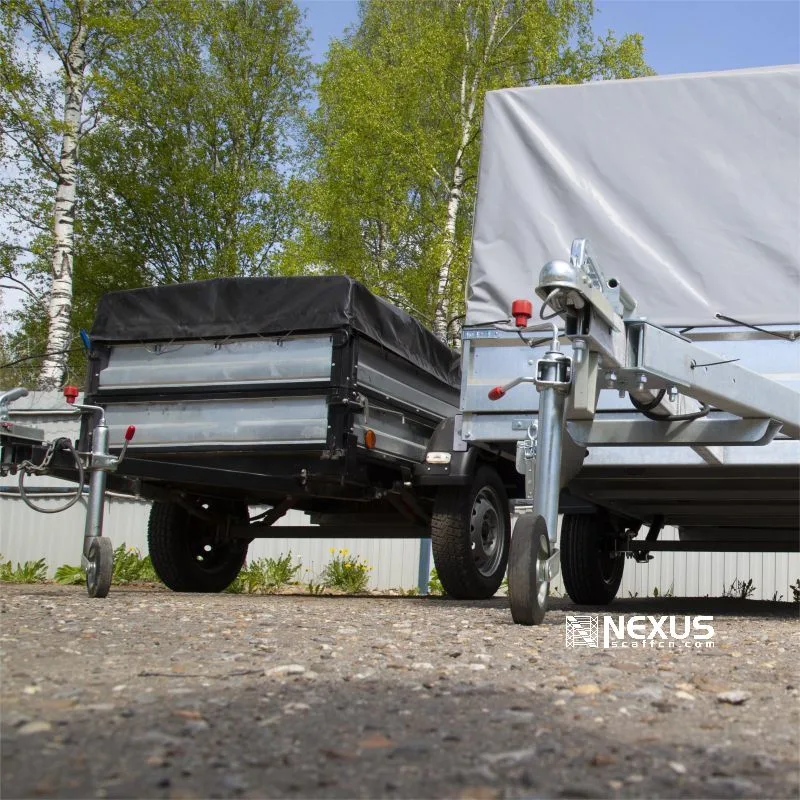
[97, 558]
[669, 379]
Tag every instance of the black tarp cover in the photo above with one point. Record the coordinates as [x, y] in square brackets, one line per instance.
[224, 307]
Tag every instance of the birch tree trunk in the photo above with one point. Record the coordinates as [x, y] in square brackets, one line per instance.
[59, 307]
[468, 102]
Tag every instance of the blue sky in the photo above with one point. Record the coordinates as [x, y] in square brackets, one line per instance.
[680, 35]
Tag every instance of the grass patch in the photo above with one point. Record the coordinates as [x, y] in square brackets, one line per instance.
[266, 575]
[346, 573]
[434, 584]
[130, 566]
[739, 589]
[29, 572]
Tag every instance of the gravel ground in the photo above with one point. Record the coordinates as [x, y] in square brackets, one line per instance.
[153, 694]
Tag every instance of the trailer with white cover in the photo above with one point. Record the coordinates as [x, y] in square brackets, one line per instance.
[631, 338]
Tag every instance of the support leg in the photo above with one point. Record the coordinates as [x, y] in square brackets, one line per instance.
[98, 553]
[533, 559]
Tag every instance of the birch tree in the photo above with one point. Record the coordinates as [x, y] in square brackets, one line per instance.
[49, 51]
[397, 132]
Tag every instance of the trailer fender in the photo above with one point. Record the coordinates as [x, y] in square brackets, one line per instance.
[462, 463]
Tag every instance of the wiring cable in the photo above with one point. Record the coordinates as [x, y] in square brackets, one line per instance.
[26, 467]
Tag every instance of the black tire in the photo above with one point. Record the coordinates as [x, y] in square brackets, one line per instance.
[591, 575]
[101, 569]
[530, 548]
[184, 554]
[470, 535]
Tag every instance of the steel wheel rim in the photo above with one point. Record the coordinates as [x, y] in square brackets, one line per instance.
[486, 532]
[91, 574]
[608, 564]
[542, 555]
[210, 557]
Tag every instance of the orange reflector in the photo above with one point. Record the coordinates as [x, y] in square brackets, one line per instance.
[370, 439]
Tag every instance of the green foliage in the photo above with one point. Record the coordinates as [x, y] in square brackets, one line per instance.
[188, 177]
[795, 590]
[315, 588]
[434, 584]
[69, 575]
[668, 593]
[395, 138]
[130, 566]
[29, 572]
[266, 575]
[51, 52]
[346, 573]
[192, 119]
[739, 589]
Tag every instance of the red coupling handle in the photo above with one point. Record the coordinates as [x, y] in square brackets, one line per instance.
[496, 393]
[522, 311]
[130, 433]
[71, 394]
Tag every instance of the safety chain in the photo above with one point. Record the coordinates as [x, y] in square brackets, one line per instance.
[31, 468]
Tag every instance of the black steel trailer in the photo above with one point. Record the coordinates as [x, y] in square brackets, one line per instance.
[302, 393]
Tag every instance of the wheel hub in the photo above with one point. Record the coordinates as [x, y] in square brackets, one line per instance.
[486, 534]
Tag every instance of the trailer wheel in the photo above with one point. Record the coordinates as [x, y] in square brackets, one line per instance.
[470, 534]
[528, 573]
[185, 554]
[100, 569]
[591, 574]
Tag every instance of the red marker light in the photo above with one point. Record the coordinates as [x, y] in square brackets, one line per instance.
[496, 393]
[522, 311]
[130, 432]
[71, 394]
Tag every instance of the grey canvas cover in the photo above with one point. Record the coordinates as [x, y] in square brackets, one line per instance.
[686, 186]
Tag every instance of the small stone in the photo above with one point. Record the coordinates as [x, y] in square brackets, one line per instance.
[586, 689]
[684, 695]
[479, 793]
[296, 708]
[634, 778]
[284, 669]
[615, 785]
[36, 726]
[684, 687]
[484, 657]
[15, 720]
[234, 783]
[195, 726]
[422, 665]
[375, 742]
[651, 692]
[510, 757]
[736, 787]
[188, 713]
[676, 766]
[734, 697]
[477, 667]
[602, 760]
[31, 690]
